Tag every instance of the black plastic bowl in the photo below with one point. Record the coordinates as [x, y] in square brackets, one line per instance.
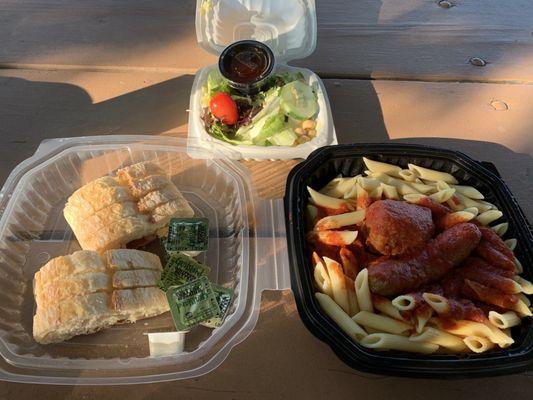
[326, 163]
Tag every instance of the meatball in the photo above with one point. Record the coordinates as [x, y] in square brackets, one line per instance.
[396, 227]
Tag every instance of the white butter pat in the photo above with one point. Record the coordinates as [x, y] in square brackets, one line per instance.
[166, 343]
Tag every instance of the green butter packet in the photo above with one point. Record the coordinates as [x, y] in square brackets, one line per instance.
[180, 269]
[192, 303]
[223, 296]
[187, 234]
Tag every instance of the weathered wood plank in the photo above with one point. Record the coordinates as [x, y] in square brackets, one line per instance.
[143, 33]
[417, 39]
[383, 110]
[411, 39]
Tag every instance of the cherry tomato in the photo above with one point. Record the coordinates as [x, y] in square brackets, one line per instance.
[224, 108]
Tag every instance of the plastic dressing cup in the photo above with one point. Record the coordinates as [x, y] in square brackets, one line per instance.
[166, 343]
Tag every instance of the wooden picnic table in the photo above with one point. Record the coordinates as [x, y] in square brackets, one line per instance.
[394, 71]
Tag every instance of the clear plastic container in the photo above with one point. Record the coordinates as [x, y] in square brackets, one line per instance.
[289, 29]
[32, 230]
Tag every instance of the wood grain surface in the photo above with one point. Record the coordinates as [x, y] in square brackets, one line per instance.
[408, 39]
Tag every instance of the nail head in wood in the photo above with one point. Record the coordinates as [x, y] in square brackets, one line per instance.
[445, 4]
[478, 62]
[499, 105]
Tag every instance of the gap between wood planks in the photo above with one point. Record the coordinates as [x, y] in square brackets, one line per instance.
[181, 71]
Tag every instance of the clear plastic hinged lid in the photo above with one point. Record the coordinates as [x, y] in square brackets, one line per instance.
[289, 28]
[245, 253]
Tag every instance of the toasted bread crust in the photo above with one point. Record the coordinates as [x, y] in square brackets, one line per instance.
[85, 292]
[110, 212]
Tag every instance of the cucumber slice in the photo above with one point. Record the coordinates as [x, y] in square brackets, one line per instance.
[284, 138]
[298, 100]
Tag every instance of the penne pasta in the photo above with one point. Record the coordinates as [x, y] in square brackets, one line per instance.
[507, 331]
[405, 302]
[441, 185]
[422, 319]
[413, 197]
[482, 206]
[371, 330]
[524, 299]
[338, 284]
[500, 229]
[349, 263]
[340, 220]
[351, 203]
[386, 341]
[421, 322]
[441, 338]
[363, 291]
[369, 184]
[401, 186]
[511, 243]
[443, 196]
[525, 285]
[463, 216]
[409, 176]
[489, 216]
[337, 314]
[455, 204]
[338, 187]
[438, 303]
[471, 210]
[333, 238]
[381, 322]
[422, 187]
[432, 175]
[363, 197]
[522, 308]
[352, 297]
[487, 205]
[318, 260]
[478, 344]
[376, 193]
[504, 321]
[377, 166]
[518, 266]
[470, 328]
[322, 200]
[504, 346]
[329, 189]
[384, 305]
[469, 192]
[390, 192]
[322, 279]
[351, 194]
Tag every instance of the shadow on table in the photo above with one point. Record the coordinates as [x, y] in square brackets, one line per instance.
[360, 119]
[51, 110]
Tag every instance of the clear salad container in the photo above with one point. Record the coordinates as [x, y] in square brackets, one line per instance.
[289, 29]
[247, 251]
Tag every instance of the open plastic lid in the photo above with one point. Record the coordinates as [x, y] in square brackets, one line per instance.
[287, 27]
[247, 252]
